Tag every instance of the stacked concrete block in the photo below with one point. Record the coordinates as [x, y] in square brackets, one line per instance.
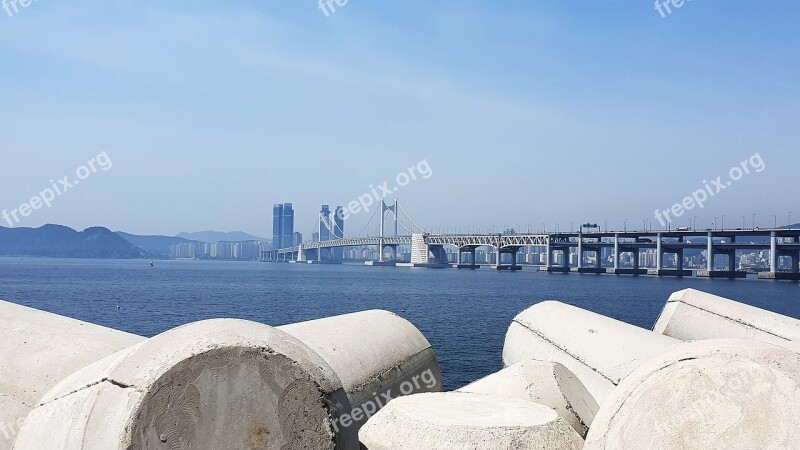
[211, 384]
[545, 383]
[726, 393]
[37, 351]
[599, 350]
[378, 356]
[459, 420]
[692, 315]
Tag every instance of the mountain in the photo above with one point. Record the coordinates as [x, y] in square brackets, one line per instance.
[156, 246]
[58, 241]
[219, 236]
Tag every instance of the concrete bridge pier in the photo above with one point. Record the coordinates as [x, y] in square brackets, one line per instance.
[773, 273]
[512, 252]
[551, 265]
[597, 266]
[469, 250]
[711, 253]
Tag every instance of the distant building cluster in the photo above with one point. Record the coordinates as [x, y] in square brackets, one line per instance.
[245, 250]
[330, 226]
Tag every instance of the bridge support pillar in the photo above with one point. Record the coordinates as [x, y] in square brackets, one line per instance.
[659, 253]
[796, 262]
[598, 255]
[773, 252]
[710, 253]
[732, 260]
[616, 251]
[679, 258]
[580, 251]
[548, 261]
[636, 258]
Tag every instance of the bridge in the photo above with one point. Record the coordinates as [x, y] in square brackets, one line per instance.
[428, 249]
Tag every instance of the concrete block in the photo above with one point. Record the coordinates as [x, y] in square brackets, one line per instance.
[721, 393]
[377, 355]
[460, 420]
[599, 350]
[38, 350]
[211, 384]
[545, 383]
[692, 315]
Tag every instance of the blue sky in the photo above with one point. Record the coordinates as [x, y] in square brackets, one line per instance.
[527, 112]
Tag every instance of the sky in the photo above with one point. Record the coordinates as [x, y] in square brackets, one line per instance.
[528, 113]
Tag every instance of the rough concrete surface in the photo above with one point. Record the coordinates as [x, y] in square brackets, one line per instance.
[545, 383]
[213, 384]
[376, 354]
[692, 315]
[720, 393]
[460, 420]
[599, 350]
[38, 350]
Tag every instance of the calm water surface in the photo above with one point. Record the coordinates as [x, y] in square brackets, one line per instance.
[464, 314]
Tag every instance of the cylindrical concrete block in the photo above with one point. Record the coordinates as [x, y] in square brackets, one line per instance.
[211, 384]
[38, 350]
[460, 420]
[378, 356]
[545, 383]
[719, 393]
[693, 315]
[599, 350]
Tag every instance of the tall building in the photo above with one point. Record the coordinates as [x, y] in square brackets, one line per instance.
[277, 225]
[287, 226]
[325, 223]
[282, 225]
[298, 238]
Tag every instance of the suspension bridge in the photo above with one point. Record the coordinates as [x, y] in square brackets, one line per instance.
[428, 249]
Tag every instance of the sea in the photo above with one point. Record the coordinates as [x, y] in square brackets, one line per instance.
[463, 313]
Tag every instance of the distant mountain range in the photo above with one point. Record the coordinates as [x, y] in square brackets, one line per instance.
[154, 246]
[219, 236]
[57, 241]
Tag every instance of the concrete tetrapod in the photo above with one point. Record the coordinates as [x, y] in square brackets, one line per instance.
[459, 420]
[599, 350]
[378, 356]
[211, 384]
[38, 350]
[719, 393]
[549, 384]
[693, 315]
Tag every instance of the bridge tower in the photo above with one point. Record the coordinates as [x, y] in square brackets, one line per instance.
[384, 209]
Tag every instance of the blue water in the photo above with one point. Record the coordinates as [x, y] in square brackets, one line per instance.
[464, 314]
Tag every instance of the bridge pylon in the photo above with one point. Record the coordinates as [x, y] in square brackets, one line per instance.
[384, 209]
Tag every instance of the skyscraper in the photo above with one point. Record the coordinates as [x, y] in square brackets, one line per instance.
[277, 225]
[282, 225]
[287, 226]
[325, 223]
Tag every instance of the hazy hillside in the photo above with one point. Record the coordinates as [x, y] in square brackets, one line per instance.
[58, 241]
